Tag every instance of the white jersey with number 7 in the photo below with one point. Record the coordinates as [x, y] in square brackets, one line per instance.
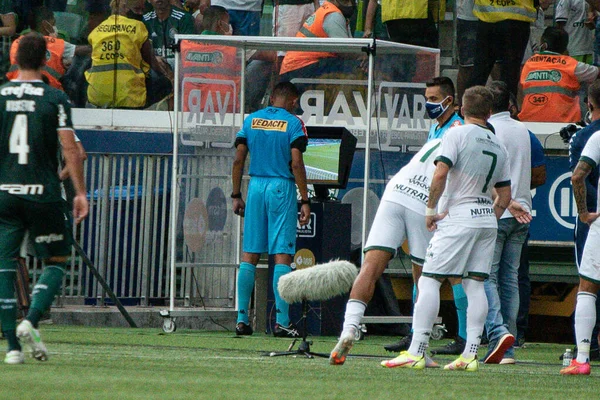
[478, 162]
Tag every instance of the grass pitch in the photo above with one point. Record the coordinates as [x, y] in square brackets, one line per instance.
[323, 157]
[120, 363]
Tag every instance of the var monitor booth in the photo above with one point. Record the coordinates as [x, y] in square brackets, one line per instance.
[328, 160]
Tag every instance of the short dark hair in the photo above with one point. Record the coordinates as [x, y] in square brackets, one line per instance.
[556, 39]
[285, 89]
[477, 102]
[594, 94]
[39, 15]
[31, 53]
[212, 15]
[501, 96]
[446, 85]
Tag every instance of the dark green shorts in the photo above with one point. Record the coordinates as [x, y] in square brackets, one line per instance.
[46, 222]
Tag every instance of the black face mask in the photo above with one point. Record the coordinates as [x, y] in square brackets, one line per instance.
[132, 15]
[348, 11]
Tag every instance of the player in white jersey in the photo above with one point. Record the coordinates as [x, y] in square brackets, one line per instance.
[399, 217]
[472, 165]
[589, 269]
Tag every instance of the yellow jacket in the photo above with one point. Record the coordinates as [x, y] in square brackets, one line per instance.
[116, 56]
[500, 10]
[403, 9]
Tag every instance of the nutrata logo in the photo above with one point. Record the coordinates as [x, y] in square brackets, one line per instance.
[551, 75]
[212, 57]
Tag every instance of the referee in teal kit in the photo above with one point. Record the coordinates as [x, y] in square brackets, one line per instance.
[276, 139]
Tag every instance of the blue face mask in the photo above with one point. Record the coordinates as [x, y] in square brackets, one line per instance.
[434, 110]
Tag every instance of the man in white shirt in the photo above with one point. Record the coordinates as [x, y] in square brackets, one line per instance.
[502, 286]
[472, 163]
[244, 15]
[576, 18]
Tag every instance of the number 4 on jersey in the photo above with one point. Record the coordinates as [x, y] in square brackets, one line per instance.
[17, 143]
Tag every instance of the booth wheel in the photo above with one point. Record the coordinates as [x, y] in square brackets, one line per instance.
[362, 331]
[438, 332]
[169, 325]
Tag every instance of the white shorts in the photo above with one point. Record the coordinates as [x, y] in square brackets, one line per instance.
[456, 251]
[289, 18]
[393, 224]
[589, 268]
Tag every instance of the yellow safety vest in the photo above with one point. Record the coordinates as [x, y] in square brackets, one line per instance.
[500, 10]
[403, 9]
[116, 56]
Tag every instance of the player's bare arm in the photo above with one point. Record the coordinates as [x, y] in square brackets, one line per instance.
[519, 212]
[438, 184]
[64, 173]
[299, 171]
[74, 164]
[501, 200]
[236, 177]
[582, 170]
[538, 176]
[514, 207]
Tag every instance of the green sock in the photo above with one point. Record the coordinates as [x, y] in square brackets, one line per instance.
[44, 291]
[8, 303]
[11, 339]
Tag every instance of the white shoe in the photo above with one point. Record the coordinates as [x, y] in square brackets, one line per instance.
[31, 338]
[14, 357]
[507, 360]
[342, 348]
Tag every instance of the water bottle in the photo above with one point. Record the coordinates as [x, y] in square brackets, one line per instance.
[567, 358]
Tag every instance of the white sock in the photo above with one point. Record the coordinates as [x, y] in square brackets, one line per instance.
[476, 314]
[426, 310]
[585, 319]
[355, 310]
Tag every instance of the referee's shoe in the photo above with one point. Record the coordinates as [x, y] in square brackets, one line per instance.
[290, 331]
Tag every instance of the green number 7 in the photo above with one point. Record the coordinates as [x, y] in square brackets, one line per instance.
[492, 168]
[431, 150]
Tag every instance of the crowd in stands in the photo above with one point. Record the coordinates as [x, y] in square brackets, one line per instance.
[86, 36]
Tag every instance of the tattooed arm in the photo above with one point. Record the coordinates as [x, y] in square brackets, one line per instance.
[582, 170]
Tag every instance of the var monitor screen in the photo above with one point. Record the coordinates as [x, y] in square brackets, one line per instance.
[328, 156]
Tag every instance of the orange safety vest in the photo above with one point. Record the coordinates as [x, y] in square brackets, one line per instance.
[550, 89]
[54, 68]
[313, 27]
[211, 75]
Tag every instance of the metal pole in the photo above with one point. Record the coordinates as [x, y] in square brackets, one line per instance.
[367, 150]
[174, 185]
[242, 112]
[106, 209]
[103, 283]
